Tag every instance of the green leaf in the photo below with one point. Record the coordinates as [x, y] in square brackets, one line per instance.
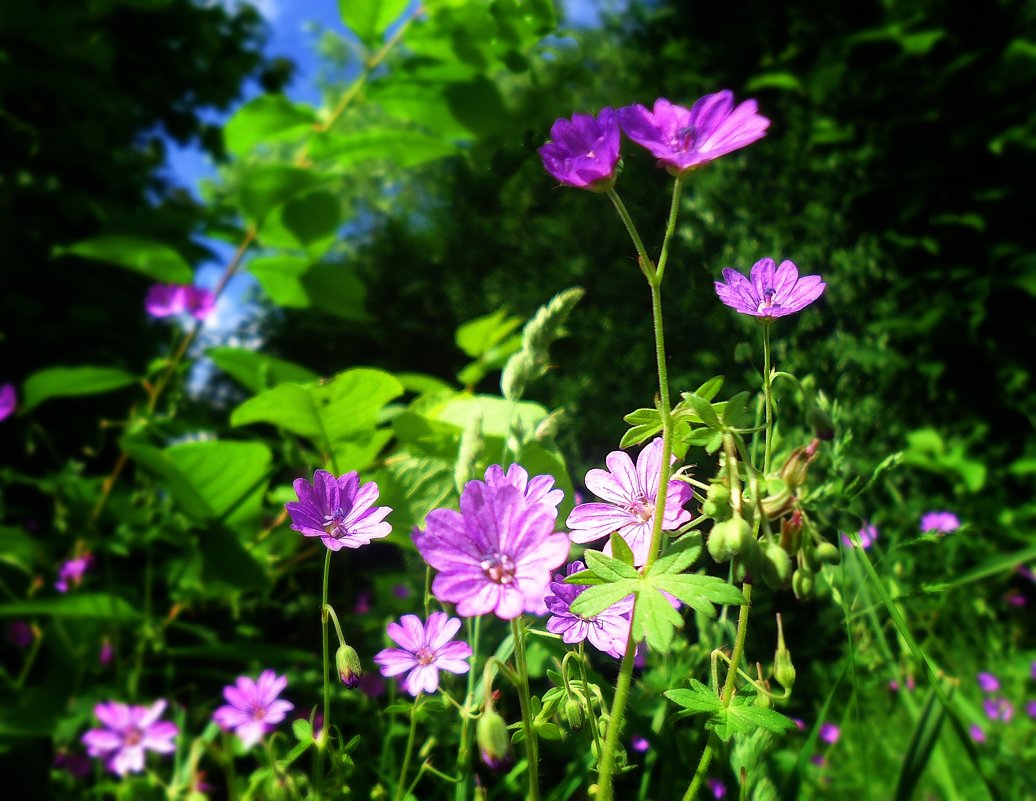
[312, 220]
[698, 698]
[302, 730]
[714, 443]
[227, 561]
[256, 371]
[297, 283]
[498, 415]
[742, 717]
[703, 409]
[621, 550]
[595, 600]
[369, 19]
[922, 744]
[65, 382]
[610, 569]
[638, 434]
[263, 188]
[145, 256]
[775, 80]
[78, 605]
[402, 147]
[268, 118]
[477, 336]
[17, 548]
[699, 592]
[998, 564]
[585, 577]
[734, 410]
[455, 104]
[655, 619]
[710, 389]
[680, 556]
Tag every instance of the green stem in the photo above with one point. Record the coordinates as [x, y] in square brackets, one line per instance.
[768, 398]
[400, 788]
[594, 730]
[611, 740]
[330, 611]
[460, 792]
[674, 208]
[531, 745]
[645, 261]
[325, 730]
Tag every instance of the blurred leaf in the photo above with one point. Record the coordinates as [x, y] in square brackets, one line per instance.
[698, 698]
[296, 283]
[17, 548]
[226, 560]
[498, 414]
[258, 371]
[267, 118]
[64, 382]
[402, 147]
[95, 605]
[145, 256]
[369, 19]
[478, 336]
[312, 220]
[922, 744]
[263, 188]
[775, 80]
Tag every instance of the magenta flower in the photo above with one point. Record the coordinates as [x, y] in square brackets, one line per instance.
[682, 139]
[940, 522]
[608, 631]
[8, 401]
[629, 493]
[252, 707]
[830, 733]
[771, 292]
[496, 554]
[536, 491]
[424, 650]
[988, 683]
[1030, 709]
[868, 536]
[340, 511]
[718, 788]
[584, 152]
[998, 709]
[72, 572]
[169, 300]
[106, 654]
[977, 733]
[78, 765]
[129, 732]
[639, 744]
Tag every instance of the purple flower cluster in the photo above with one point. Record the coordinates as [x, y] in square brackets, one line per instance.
[609, 631]
[129, 731]
[169, 300]
[424, 650]
[770, 291]
[253, 707]
[340, 511]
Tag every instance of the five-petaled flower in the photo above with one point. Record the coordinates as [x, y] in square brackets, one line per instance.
[940, 522]
[8, 400]
[340, 511]
[630, 493]
[608, 631]
[496, 554]
[584, 152]
[253, 707]
[128, 732]
[424, 650]
[169, 300]
[684, 138]
[771, 292]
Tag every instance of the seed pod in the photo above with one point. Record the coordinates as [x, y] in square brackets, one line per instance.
[776, 566]
[783, 669]
[828, 553]
[717, 502]
[802, 583]
[494, 744]
[811, 558]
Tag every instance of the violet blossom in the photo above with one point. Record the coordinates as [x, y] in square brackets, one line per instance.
[685, 138]
[629, 493]
[977, 733]
[128, 732]
[608, 631]
[424, 650]
[169, 300]
[340, 510]
[8, 401]
[718, 788]
[987, 682]
[1030, 709]
[940, 522]
[998, 709]
[253, 707]
[497, 553]
[830, 733]
[770, 291]
[639, 744]
[584, 152]
[539, 490]
[72, 572]
[868, 536]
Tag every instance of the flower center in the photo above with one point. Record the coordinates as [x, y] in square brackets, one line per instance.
[685, 138]
[425, 656]
[642, 508]
[259, 713]
[133, 737]
[767, 301]
[498, 567]
[334, 523]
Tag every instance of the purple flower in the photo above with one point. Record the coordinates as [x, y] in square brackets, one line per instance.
[630, 495]
[539, 490]
[169, 300]
[609, 631]
[639, 744]
[20, 634]
[78, 765]
[800, 724]
[998, 709]
[988, 683]
[401, 591]
[1026, 572]
[868, 536]
[1030, 709]
[718, 788]
[8, 401]
[771, 291]
[584, 152]
[682, 139]
[1032, 670]
[1015, 599]
[425, 650]
[977, 734]
[940, 522]
[252, 707]
[830, 733]
[340, 511]
[129, 732]
[496, 554]
[106, 654]
[72, 571]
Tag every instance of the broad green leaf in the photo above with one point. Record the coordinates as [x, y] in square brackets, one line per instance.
[297, 283]
[268, 118]
[694, 589]
[734, 410]
[595, 600]
[74, 605]
[257, 371]
[231, 477]
[498, 415]
[402, 147]
[179, 487]
[312, 221]
[263, 188]
[65, 382]
[644, 416]
[455, 105]
[621, 549]
[609, 569]
[742, 717]
[703, 409]
[655, 620]
[17, 548]
[697, 698]
[639, 434]
[369, 19]
[710, 389]
[679, 557]
[153, 259]
[226, 561]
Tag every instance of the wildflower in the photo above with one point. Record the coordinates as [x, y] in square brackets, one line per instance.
[639, 744]
[401, 591]
[868, 536]
[78, 765]
[128, 732]
[988, 683]
[629, 494]
[718, 788]
[609, 631]
[800, 724]
[72, 571]
[252, 707]
[425, 650]
[683, 139]
[340, 511]
[771, 291]
[494, 743]
[1026, 573]
[169, 300]
[584, 152]
[940, 522]
[998, 709]
[106, 654]
[347, 662]
[977, 734]
[372, 685]
[538, 490]
[830, 733]
[1030, 709]
[496, 554]
[20, 634]
[8, 401]
[1015, 599]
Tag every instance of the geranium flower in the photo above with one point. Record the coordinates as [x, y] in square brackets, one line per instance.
[682, 139]
[630, 494]
[998, 709]
[868, 536]
[609, 631]
[771, 292]
[72, 572]
[129, 732]
[1030, 709]
[20, 634]
[977, 733]
[536, 491]
[940, 522]
[424, 650]
[8, 401]
[252, 707]
[639, 744]
[830, 733]
[496, 554]
[584, 152]
[988, 683]
[340, 511]
[169, 300]
[718, 788]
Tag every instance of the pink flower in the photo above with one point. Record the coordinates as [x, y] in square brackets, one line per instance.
[977, 734]
[169, 300]
[1030, 709]
[424, 650]
[8, 401]
[868, 536]
[998, 709]
[252, 707]
[340, 511]
[72, 572]
[608, 631]
[20, 634]
[987, 682]
[106, 654]
[718, 788]
[639, 744]
[830, 733]
[584, 152]
[771, 291]
[940, 522]
[129, 732]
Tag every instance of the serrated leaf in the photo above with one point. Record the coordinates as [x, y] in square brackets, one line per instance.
[621, 549]
[639, 434]
[696, 698]
[751, 716]
[715, 442]
[595, 600]
[145, 256]
[703, 409]
[585, 577]
[734, 409]
[680, 556]
[701, 437]
[655, 620]
[64, 382]
[608, 568]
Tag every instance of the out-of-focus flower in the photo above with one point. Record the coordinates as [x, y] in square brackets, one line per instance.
[363, 603]
[8, 400]
[583, 152]
[868, 536]
[1026, 573]
[401, 591]
[78, 765]
[630, 493]
[496, 554]
[977, 733]
[424, 650]
[253, 707]
[987, 682]
[639, 744]
[998, 709]
[372, 685]
[771, 291]
[169, 300]
[1015, 598]
[72, 572]
[128, 732]
[684, 138]
[608, 631]
[340, 511]
[830, 733]
[718, 788]
[1030, 709]
[20, 634]
[106, 654]
[940, 522]
[800, 724]
[819, 760]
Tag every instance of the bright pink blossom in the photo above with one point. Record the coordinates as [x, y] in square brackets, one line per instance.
[8, 400]
[770, 291]
[940, 522]
[424, 650]
[868, 536]
[128, 732]
[340, 511]
[72, 572]
[169, 300]
[584, 152]
[253, 707]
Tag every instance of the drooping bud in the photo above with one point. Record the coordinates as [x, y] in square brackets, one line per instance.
[802, 583]
[790, 528]
[776, 566]
[574, 714]
[494, 744]
[348, 663]
[717, 502]
[821, 423]
[783, 669]
[779, 502]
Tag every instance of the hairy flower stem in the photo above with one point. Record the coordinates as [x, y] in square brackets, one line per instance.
[325, 730]
[400, 784]
[460, 791]
[531, 745]
[767, 396]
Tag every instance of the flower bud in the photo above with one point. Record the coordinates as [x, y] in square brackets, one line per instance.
[828, 553]
[821, 423]
[812, 560]
[783, 669]
[802, 583]
[348, 663]
[762, 700]
[717, 502]
[494, 744]
[574, 714]
[776, 566]
[796, 469]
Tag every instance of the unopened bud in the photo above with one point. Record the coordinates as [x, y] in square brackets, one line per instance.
[828, 553]
[762, 700]
[778, 503]
[821, 423]
[348, 663]
[783, 669]
[796, 469]
[776, 566]
[494, 744]
[574, 714]
[790, 529]
[802, 583]
[717, 502]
